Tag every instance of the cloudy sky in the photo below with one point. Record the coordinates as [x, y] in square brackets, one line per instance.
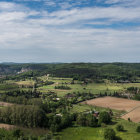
[69, 30]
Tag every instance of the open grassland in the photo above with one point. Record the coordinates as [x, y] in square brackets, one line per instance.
[94, 88]
[25, 83]
[78, 108]
[88, 133]
[78, 86]
[131, 106]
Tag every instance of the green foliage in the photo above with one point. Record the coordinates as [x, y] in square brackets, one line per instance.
[87, 120]
[22, 97]
[56, 123]
[62, 87]
[104, 117]
[109, 134]
[138, 129]
[29, 116]
[17, 134]
[7, 87]
[49, 82]
[137, 97]
[119, 127]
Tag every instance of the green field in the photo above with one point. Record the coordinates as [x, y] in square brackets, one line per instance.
[94, 88]
[88, 133]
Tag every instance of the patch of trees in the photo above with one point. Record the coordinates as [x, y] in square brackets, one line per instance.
[79, 71]
[17, 134]
[29, 116]
[21, 97]
[64, 87]
[58, 122]
[76, 97]
[137, 97]
[49, 82]
[8, 87]
[104, 117]
[138, 129]
[88, 119]
[109, 134]
[133, 90]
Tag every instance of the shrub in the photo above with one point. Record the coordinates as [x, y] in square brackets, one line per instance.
[109, 134]
[129, 119]
[119, 127]
[138, 129]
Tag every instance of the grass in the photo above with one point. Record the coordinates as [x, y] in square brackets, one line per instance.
[89, 133]
[78, 108]
[25, 83]
[79, 87]
[94, 88]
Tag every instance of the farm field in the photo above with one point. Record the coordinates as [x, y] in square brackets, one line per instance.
[94, 88]
[114, 103]
[133, 115]
[131, 106]
[88, 133]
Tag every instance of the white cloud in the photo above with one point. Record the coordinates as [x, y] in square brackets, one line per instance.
[61, 31]
[129, 3]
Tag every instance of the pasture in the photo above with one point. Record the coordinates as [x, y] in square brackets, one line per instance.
[78, 86]
[89, 133]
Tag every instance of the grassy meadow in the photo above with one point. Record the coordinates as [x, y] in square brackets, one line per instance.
[88, 133]
[78, 86]
[94, 88]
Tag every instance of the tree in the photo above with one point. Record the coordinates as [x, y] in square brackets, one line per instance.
[104, 117]
[109, 134]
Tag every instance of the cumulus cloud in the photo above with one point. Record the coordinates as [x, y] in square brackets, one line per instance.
[62, 35]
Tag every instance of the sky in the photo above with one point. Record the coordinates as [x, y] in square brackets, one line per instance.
[69, 31]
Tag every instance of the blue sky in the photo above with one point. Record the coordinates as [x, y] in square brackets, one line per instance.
[69, 30]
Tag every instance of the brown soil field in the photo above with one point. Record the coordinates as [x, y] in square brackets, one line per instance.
[134, 115]
[114, 103]
[7, 126]
[5, 104]
[131, 106]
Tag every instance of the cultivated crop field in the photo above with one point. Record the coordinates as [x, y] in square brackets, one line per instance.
[134, 115]
[131, 106]
[114, 103]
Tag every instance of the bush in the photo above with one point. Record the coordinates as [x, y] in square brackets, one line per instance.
[62, 87]
[109, 134]
[138, 129]
[129, 119]
[49, 82]
[119, 127]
